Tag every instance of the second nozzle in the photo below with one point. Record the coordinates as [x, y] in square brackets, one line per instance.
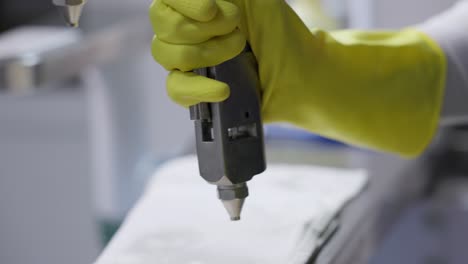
[71, 10]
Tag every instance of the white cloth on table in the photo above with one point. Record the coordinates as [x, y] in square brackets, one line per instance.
[179, 219]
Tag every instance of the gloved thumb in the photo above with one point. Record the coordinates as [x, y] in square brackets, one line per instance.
[188, 88]
[200, 10]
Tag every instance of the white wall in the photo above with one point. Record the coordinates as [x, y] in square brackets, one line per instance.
[46, 205]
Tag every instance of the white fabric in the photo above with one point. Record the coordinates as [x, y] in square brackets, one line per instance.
[179, 219]
[450, 30]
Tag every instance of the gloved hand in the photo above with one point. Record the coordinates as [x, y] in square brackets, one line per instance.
[380, 90]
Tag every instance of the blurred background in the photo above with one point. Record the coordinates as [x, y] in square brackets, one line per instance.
[85, 121]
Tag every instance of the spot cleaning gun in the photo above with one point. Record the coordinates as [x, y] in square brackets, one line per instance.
[229, 134]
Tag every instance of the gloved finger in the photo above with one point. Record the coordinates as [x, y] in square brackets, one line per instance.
[188, 88]
[200, 10]
[172, 27]
[206, 54]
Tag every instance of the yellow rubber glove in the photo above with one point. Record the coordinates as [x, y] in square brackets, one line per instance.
[380, 90]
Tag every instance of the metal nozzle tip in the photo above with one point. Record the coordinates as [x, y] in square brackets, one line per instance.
[71, 10]
[76, 25]
[234, 208]
[73, 14]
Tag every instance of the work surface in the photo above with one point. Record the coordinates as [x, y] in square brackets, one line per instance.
[179, 219]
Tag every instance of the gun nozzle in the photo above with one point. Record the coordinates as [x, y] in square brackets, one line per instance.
[233, 197]
[234, 208]
[72, 15]
[71, 10]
